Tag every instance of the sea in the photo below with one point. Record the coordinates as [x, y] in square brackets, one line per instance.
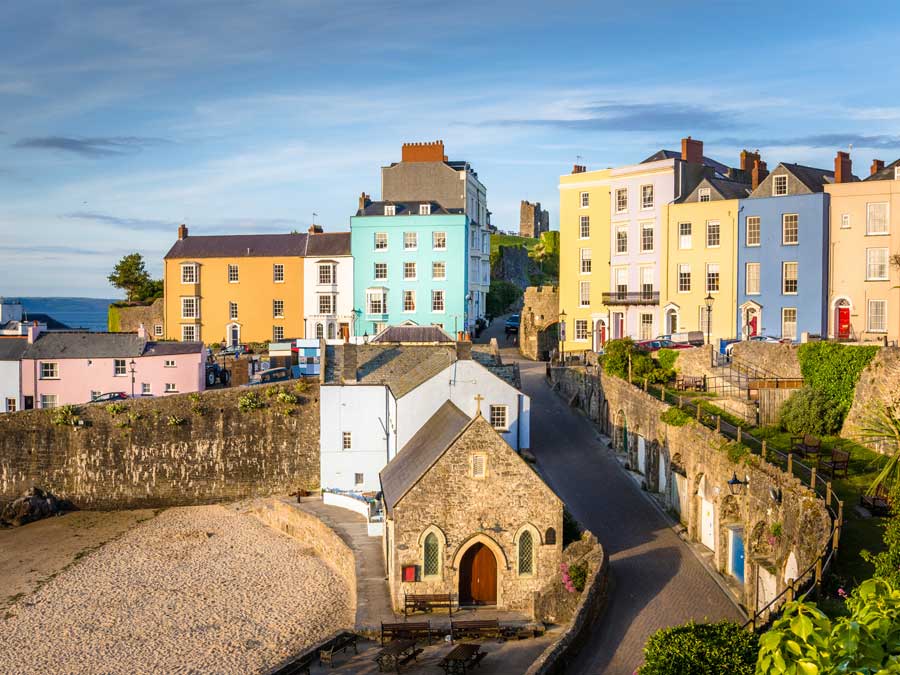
[82, 313]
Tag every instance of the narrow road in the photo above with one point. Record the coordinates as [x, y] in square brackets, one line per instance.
[656, 580]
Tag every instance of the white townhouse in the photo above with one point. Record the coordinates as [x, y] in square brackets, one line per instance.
[328, 286]
[11, 351]
[376, 396]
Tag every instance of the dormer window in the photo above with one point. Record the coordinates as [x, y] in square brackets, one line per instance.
[390, 210]
[704, 194]
[424, 209]
[779, 185]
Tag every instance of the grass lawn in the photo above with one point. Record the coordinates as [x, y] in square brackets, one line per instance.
[498, 240]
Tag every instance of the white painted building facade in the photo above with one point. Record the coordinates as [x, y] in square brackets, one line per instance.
[10, 385]
[328, 296]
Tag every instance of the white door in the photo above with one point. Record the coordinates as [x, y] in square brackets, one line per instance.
[768, 588]
[679, 494]
[642, 456]
[707, 524]
[662, 475]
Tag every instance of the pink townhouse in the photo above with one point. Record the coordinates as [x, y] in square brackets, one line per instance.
[62, 368]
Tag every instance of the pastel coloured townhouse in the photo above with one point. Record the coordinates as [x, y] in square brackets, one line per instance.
[60, 368]
[863, 302]
[376, 396]
[783, 251]
[422, 253]
[328, 286]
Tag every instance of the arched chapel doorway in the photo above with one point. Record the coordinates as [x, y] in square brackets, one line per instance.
[478, 576]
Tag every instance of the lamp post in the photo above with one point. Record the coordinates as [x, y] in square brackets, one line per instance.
[562, 335]
[736, 485]
[709, 299]
[132, 364]
[366, 337]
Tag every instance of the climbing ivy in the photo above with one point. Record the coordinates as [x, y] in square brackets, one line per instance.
[834, 370]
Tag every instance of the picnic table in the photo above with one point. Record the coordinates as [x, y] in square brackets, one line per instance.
[396, 654]
[462, 658]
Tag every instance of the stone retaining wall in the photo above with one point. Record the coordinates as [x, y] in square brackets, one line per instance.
[879, 383]
[778, 360]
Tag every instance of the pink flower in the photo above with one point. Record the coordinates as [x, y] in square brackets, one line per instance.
[841, 592]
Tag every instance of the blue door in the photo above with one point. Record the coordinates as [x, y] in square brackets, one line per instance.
[737, 554]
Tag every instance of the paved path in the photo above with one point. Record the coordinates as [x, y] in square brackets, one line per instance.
[656, 580]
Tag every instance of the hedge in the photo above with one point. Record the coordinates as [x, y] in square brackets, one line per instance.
[701, 649]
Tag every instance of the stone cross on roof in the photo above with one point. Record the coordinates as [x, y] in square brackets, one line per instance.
[478, 399]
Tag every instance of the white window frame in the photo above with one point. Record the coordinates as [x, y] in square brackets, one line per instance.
[869, 327]
[704, 194]
[373, 295]
[193, 303]
[621, 229]
[499, 417]
[784, 277]
[621, 197]
[439, 241]
[581, 330]
[870, 229]
[718, 273]
[585, 199]
[277, 333]
[785, 217]
[380, 241]
[276, 304]
[390, 209]
[756, 221]
[146, 389]
[49, 401]
[647, 204]
[584, 293]
[171, 388]
[684, 273]
[585, 258]
[435, 266]
[897, 173]
[12, 404]
[424, 209]
[330, 304]
[234, 273]
[718, 231]
[346, 440]
[885, 265]
[278, 273]
[784, 322]
[645, 325]
[747, 277]
[232, 311]
[644, 228]
[158, 330]
[49, 370]
[189, 328]
[409, 298]
[410, 241]
[845, 221]
[410, 265]
[120, 368]
[780, 180]
[170, 363]
[438, 304]
[584, 227]
[689, 236]
[382, 266]
[327, 273]
[192, 269]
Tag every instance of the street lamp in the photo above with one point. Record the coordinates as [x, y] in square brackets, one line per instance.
[366, 337]
[736, 485]
[562, 335]
[709, 299]
[132, 364]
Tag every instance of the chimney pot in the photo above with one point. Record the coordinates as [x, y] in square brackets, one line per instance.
[579, 168]
[843, 167]
[182, 231]
[691, 150]
[877, 165]
[316, 229]
[142, 332]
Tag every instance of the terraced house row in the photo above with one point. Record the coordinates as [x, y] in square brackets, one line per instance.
[681, 242]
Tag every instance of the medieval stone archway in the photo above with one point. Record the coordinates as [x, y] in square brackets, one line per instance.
[538, 322]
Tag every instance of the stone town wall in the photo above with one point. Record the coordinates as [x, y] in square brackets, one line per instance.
[127, 319]
[167, 451]
[541, 310]
[878, 383]
[493, 510]
[779, 360]
[312, 532]
[695, 460]
[513, 264]
[695, 362]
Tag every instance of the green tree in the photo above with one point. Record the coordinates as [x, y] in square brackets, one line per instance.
[152, 290]
[501, 296]
[539, 254]
[804, 641]
[881, 427]
[810, 411]
[887, 562]
[130, 275]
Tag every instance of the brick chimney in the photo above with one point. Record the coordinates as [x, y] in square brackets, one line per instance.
[348, 372]
[877, 165]
[364, 201]
[579, 168]
[142, 332]
[315, 229]
[842, 167]
[691, 150]
[747, 159]
[758, 174]
[33, 331]
[423, 152]
[182, 232]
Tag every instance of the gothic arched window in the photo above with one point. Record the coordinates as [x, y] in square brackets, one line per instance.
[431, 556]
[526, 553]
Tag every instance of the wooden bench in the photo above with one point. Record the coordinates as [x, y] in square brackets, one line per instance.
[339, 644]
[689, 383]
[837, 464]
[806, 446]
[426, 603]
[299, 666]
[475, 629]
[878, 503]
[413, 630]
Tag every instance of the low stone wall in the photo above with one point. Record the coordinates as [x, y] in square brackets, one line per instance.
[309, 530]
[695, 362]
[879, 383]
[127, 318]
[691, 464]
[779, 360]
[581, 611]
[167, 451]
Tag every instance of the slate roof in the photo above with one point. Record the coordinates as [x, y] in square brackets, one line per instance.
[29, 317]
[408, 208]
[813, 178]
[421, 452]
[240, 246]
[12, 348]
[675, 154]
[328, 243]
[400, 367]
[887, 173]
[411, 333]
[85, 345]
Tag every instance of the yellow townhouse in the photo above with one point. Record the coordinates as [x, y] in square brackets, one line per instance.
[584, 257]
[864, 284]
[234, 288]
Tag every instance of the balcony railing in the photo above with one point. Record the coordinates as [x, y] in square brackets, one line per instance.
[631, 298]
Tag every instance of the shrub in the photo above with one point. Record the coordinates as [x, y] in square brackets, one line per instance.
[578, 575]
[667, 358]
[810, 411]
[834, 370]
[174, 421]
[195, 397]
[887, 562]
[571, 528]
[116, 408]
[501, 296]
[287, 398]
[66, 415]
[701, 649]
[675, 417]
[250, 401]
[615, 357]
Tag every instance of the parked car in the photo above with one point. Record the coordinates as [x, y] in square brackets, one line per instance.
[272, 375]
[691, 337]
[216, 373]
[653, 345]
[234, 350]
[111, 396]
[511, 325]
[758, 338]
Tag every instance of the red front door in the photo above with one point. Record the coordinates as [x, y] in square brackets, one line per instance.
[843, 321]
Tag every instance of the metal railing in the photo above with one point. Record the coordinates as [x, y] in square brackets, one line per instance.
[631, 298]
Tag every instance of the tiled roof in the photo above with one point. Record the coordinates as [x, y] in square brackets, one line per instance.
[172, 348]
[408, 208]
[240, 246]
[328, 243]
[12, 348]
[85, 345]
[729, 189]
[410, 334]
[421, 452]
[813, 178]
[400, 367]
[887, 173]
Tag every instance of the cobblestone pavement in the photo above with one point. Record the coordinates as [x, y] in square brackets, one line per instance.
[656, 580]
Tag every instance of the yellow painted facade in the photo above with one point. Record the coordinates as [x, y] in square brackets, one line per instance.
[863, 285]
[683, 304]
[234, 299]
[583, 260]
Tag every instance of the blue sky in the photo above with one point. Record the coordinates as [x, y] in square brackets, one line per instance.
[119, 120]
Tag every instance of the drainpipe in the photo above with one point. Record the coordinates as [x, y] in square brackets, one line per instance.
[519, 423]
[387, 421]
[735, 266]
